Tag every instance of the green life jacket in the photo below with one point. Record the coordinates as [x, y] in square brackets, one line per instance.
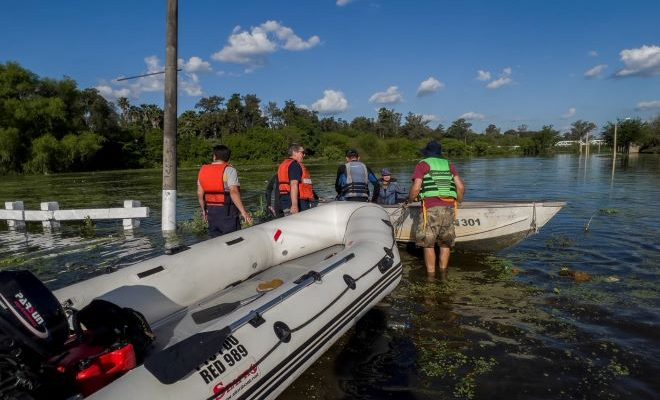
[439, 181]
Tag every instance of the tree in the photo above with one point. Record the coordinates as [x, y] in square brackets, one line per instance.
[459, 129]
[580, 129]
[388, 123]
[628, 131]
[274, 115]
[544, 140]
[439, 131]
[252, 112]
[492, 130]
[210, 104]
[415, 127]
[363, 124]
[124, 106]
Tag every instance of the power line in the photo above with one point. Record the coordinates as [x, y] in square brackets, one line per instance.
[141, 76]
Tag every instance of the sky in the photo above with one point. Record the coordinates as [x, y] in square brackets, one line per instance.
[507, 63]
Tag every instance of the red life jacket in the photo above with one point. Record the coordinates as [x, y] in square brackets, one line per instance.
[211, 179]
[305, 189]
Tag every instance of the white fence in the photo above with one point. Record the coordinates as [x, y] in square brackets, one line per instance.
[50, 214]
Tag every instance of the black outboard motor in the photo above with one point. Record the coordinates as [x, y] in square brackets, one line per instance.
[33, 327]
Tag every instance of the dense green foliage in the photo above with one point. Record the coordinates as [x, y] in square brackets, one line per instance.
[53, 126]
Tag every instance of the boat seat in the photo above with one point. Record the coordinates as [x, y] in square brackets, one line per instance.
[148, 300]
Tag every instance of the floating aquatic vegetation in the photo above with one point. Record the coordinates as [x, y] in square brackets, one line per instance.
[88, 228]
[608, 211]
[11, 262]
[438, 360]
[196, 226]
[499, 269]
[559, 242]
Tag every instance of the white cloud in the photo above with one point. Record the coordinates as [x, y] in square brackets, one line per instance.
[593, 53]
[429, 86]
[504, 79]
[644, 61]
[112, 94]
[473, 116]
[648, 105]
[251, 48]
[595, 72]
[134, 88]
[333, 102]
[430, 118]
[390, 96]
[483, 75]
[195, 65]
[569, 113]
[342, 3]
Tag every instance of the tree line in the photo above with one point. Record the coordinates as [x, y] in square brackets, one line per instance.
[49, 125]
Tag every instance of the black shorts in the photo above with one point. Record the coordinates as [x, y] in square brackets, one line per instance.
[223, 220]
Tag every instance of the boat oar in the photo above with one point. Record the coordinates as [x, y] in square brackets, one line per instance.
[177, 361]
[218, 310]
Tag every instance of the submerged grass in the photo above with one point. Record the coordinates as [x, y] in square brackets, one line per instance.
[438, 360]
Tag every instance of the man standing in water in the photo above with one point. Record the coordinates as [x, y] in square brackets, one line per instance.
[219, 195]
[437, 183]
[295, 182]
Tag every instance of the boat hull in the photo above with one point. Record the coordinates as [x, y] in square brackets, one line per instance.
[481, 226]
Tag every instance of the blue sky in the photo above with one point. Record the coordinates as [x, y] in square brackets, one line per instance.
[502, 62]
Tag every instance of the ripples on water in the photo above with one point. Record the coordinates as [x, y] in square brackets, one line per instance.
[508, 325]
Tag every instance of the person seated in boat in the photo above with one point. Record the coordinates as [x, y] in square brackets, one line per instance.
[295, 182]
[437, 183]
[353, 178]
[219, 195]
[390, 191]
[272, 197]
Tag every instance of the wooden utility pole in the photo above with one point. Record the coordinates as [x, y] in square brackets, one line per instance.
[168, 221]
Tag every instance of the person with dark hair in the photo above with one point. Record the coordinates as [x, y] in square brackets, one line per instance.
[390, 191]
[295, 182]
[219, 195]
[352, 182]
[440, 188]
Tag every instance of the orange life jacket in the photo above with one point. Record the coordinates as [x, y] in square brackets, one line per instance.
[211, 179]
[305, 189]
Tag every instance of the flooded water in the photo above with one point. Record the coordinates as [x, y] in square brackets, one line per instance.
[571, 313]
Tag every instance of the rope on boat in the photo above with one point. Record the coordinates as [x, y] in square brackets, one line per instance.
[533, 226]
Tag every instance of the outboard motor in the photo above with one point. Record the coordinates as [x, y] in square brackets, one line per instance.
[33, 328]
[42, 355]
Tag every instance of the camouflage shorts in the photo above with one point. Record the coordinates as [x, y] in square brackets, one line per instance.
[439, 228]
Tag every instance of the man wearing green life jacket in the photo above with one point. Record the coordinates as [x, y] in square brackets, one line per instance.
[437, 183]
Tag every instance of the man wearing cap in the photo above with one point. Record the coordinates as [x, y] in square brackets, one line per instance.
[352, 182]
[219, 194]
[389, 188]
[436, 182]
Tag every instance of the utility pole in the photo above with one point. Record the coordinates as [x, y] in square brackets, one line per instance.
[168, 221]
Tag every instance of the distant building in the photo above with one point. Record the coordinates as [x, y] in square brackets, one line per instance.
[566, 143]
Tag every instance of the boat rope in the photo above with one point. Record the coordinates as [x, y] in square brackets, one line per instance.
[384, 264]
[533, 226]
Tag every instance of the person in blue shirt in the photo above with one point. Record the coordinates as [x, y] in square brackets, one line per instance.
[353, 178]
[390, 191]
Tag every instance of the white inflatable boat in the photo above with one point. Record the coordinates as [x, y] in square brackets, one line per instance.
[216, 335]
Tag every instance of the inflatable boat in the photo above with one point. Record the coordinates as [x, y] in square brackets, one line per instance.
[238, 316]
